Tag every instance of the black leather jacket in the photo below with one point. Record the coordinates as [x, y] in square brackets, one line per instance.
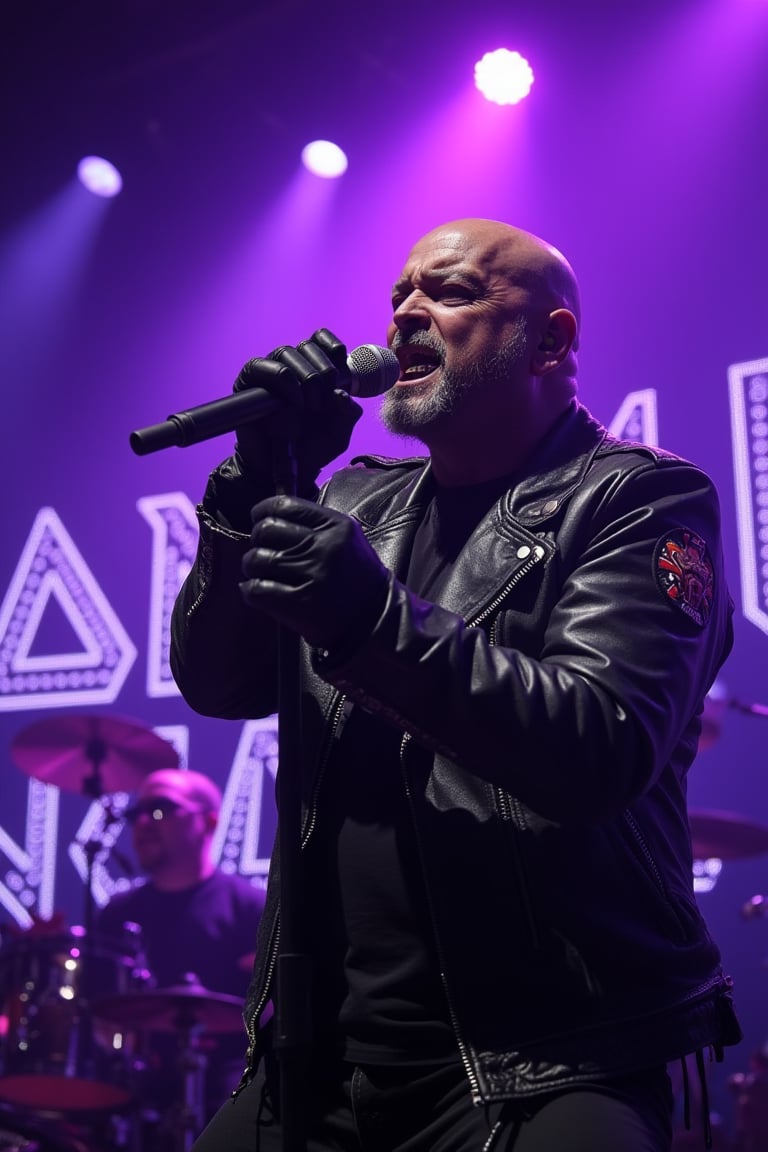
[550, 711]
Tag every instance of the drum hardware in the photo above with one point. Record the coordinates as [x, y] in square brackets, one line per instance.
[19, 1133]
[712, 714]
[159, 1009]
[755, 908]
[91, 755]
[189, 1011]
[750, 1090]
[716, 703]
[27, 1131]
[726, 835]
[94, 756]
[51, 1061]
[185, 1118]
[749, 708]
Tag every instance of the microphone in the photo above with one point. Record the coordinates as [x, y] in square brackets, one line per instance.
[372, 371]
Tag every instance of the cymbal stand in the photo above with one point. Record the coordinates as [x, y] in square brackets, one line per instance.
[92, 786]
[185, 1120]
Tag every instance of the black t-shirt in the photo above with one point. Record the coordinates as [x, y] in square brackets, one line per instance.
[378, 993]
[206, 929]
[448, 522]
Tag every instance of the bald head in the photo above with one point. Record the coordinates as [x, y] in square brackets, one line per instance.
[485, 327]
[190, 789]
[525, 260]
[174, 817]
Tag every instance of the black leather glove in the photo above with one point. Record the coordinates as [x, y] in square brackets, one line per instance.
[313, 570]
[316, 414]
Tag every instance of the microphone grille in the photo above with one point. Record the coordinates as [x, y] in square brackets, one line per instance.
[374, 370]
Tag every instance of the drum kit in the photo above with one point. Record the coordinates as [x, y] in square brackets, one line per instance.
[729, 836]
[77, 1011]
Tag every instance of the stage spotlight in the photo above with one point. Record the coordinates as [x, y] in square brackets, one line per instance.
[324, 159]
[503, 77]
[99, 176]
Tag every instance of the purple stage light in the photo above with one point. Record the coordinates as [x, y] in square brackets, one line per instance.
[503, 77]
[99, 176]
[324, 159]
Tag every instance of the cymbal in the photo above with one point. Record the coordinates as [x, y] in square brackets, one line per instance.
[91, 754]
[726, 835]
[168, 1009]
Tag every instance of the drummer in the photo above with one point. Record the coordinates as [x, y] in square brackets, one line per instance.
[194, 918]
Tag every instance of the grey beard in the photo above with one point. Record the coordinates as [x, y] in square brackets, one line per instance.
[405, 413]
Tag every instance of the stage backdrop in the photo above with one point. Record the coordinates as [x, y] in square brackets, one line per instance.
[640, 153]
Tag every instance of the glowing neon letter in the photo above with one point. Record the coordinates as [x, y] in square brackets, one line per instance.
[636, 418]
[31, 877]
[236, 842]
[51, 566]
[174, 544]
[748, 383]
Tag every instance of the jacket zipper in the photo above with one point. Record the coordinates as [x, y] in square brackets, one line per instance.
[509, 808]
[206, 552]
[306, 833]
[537, 554]
[309, 825]
[512, 812]
[640, 841]
[255, 1015]
[463, 1052]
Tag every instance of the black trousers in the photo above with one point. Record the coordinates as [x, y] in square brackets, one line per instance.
[417, 1109]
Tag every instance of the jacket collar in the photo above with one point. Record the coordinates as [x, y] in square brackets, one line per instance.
[558, 466]
[504, 544]
[556, 469]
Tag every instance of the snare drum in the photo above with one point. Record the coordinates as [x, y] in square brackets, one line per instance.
[54, 1056]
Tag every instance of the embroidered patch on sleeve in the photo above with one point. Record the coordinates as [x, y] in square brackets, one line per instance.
[684, 573]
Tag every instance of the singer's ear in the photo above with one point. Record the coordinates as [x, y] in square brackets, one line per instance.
[333, 348]
[555, 342]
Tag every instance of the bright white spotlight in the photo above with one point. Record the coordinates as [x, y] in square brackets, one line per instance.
[99, 176]
[503, 77]
[324, 159]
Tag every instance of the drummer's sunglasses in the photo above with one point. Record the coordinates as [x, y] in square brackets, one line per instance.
[158, 808]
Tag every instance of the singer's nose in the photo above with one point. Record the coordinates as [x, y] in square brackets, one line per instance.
[411, 315]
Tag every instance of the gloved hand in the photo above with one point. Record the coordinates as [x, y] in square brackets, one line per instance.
[313, 570]
[317, 414]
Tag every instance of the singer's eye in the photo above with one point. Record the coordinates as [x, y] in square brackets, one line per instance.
[460, 293]
[453, 298]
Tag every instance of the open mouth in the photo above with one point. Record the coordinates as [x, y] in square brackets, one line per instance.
[416, 362]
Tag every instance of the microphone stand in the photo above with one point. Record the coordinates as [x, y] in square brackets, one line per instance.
[293, 1021]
